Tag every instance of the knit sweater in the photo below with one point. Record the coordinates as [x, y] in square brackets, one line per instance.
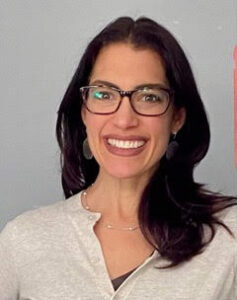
[53, 253]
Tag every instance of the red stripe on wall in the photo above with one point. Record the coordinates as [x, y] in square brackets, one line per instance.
[235, 103]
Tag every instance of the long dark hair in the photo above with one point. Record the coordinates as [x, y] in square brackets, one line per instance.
[174, 209]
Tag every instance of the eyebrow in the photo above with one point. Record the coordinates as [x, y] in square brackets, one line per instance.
[140, 86]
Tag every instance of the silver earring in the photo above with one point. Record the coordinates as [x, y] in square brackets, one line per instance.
[86, 149]
[172, 147]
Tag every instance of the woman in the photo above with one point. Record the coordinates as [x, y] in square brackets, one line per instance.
[131, 128]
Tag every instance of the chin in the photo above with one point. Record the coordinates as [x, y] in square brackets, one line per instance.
[128, 167]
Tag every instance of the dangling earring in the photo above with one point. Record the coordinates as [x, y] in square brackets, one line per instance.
[86, 150]
[172, 147]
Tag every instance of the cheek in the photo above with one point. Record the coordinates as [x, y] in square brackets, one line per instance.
[160, 135]
[93, 129]
[161, 128]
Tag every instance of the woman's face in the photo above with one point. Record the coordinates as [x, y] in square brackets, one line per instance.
[126, 68]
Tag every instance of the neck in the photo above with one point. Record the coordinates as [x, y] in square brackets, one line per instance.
[116, 199]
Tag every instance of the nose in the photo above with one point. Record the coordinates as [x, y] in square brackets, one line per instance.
[125, 117]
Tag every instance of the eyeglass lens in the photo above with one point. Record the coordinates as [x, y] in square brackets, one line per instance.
[147, 101]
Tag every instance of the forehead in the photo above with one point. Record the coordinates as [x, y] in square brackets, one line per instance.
[126, 66]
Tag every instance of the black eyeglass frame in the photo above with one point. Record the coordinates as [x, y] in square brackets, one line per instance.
[128, 94]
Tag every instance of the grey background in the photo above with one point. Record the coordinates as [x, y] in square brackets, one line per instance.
[41, 43]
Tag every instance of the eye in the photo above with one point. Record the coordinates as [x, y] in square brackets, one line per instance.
[102, 94]
[151, 98]
[155, 96]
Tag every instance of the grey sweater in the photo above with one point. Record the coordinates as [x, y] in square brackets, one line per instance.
[52, 253]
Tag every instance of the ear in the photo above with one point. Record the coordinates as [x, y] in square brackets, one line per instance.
[178, 119]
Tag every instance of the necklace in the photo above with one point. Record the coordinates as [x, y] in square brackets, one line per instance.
[107, 225]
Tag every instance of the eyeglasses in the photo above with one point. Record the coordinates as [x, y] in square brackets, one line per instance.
[146, 101]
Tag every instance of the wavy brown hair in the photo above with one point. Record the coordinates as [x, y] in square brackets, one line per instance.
[174, 209]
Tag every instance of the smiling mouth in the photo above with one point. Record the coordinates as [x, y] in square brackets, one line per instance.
[123, 144]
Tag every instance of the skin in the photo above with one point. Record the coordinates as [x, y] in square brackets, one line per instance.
[121, 179]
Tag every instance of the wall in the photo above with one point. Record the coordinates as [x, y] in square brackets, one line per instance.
[41, 43]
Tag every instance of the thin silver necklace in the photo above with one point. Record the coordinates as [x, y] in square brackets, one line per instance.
[108, 225]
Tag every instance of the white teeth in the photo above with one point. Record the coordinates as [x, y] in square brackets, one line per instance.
[125, 144]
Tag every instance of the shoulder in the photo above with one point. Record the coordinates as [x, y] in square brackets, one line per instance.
[228, 240]
[224, 244]
[41, 221]
[229, 217]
